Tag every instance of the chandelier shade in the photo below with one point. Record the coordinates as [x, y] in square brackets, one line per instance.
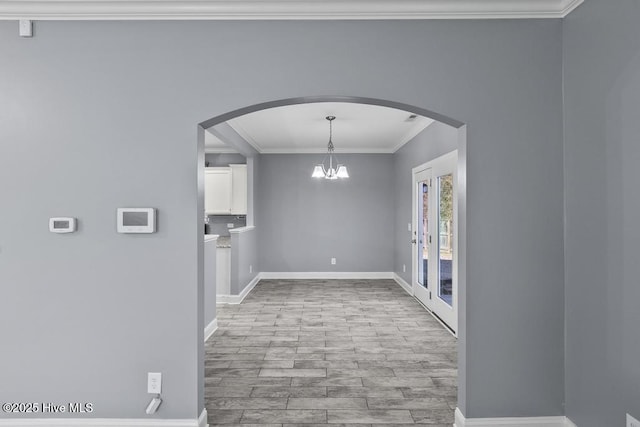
[333, 170]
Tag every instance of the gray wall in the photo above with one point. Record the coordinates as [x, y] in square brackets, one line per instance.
[218, 223]
[433, 142]
[209, 281]
[307, 221]
[602, 107]
[244, 260]
[224, 159]
[90, 94]
[253, 164]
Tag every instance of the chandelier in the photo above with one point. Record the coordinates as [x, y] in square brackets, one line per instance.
[331, 172]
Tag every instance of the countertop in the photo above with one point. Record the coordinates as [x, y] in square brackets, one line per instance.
[210, 237]
[224, 242]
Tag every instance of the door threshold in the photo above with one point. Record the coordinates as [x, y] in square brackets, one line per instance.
[451, 331]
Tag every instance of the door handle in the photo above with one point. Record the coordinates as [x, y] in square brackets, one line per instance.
[413, 241]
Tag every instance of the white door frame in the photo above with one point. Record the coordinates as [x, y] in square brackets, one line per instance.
[419, 174]
[445, 164]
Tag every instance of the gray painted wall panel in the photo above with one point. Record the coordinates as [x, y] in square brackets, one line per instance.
[210, 265]
[244, 247]
[117, 103]
[602, 106]
[307, 221]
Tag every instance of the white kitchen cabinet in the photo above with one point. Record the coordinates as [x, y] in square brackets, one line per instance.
[225, 190]
[238, 189]
[217, 191]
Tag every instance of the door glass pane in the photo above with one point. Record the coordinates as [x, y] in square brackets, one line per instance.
[445, 238]
[423, 227]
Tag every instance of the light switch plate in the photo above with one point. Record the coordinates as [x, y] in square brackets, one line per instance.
[25, 28]
[409, 227]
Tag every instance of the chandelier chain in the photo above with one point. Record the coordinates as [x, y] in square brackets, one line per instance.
[330, 146]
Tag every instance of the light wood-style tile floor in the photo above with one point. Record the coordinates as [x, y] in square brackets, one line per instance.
[329, 353]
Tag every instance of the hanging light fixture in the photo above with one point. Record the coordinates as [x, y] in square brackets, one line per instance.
[332, 172]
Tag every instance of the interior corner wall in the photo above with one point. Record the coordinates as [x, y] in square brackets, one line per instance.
[602, 205]
[253, 176]
[244, 247]
[307, 221]
[210, 268]
[98, 115]
[437, 139]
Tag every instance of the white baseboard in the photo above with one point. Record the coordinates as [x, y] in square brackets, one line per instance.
[461, 421]
[400, 281]
[252, 284]
[225, 299]
[327, 275]
[237, 299]
[210, 329]
[204, 416]
[104, 422]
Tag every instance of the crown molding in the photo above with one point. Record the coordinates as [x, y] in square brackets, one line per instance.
[283, 9]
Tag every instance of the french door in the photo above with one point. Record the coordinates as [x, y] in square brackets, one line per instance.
[434, 237]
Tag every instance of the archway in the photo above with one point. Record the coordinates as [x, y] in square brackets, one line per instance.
[461, 177]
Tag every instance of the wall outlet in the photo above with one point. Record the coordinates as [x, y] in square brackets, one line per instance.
[632, 422]
[409, 227]
[404, 268]
[230, 225]
[333, 261]
[154, 382]
[251, 269]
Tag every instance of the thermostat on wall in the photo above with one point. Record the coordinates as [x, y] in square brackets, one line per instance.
[62, 225]
[136, 220]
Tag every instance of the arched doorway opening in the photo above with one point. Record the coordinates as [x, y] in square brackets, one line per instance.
[252, 154]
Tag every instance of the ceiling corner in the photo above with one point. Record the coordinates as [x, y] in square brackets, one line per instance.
[569, 6]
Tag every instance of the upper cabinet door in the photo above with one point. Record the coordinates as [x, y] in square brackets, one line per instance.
[217, 191]
[238, 189]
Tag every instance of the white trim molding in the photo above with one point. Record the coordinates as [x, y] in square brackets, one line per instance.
[461, 421]
[105, 422]
[400, 281]
[237, 299]
[203, 419]
[226, 299]
[327, 275]
[210, 329]
[283, 9]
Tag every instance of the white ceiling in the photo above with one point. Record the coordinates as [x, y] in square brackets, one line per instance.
[213, 144]
[283, 9]
[303, 128]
